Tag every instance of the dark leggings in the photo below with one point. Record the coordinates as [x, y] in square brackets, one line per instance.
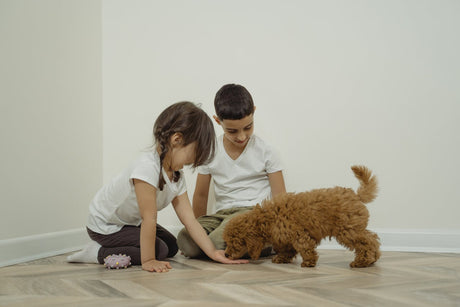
[127, 241]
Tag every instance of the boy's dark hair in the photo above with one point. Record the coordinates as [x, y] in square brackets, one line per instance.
[194, 125]
[233, 101]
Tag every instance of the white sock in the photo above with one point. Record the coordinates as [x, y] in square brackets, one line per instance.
[87, 255]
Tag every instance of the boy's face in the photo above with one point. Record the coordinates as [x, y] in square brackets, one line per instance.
[237, 131]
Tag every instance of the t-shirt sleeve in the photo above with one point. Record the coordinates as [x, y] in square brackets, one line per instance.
[203, 169]
[272, 160]
[146, 172]
[182, 184]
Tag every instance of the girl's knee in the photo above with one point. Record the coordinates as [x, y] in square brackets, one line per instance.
[173, 249]
[161, 249]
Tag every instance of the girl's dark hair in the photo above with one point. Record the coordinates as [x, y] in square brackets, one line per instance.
[194, 125]
[233, 101]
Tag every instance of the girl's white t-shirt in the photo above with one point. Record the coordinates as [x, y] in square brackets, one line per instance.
[242, 182]
[115, 204]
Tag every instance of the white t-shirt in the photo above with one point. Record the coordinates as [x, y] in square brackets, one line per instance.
[242, 182]
[115, 204]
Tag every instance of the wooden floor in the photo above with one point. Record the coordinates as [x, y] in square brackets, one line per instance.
[398, 279]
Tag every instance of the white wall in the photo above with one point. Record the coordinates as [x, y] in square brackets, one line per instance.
[336, 83]
[50, 123]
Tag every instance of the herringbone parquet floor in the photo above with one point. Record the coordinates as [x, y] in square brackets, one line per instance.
[398, 279]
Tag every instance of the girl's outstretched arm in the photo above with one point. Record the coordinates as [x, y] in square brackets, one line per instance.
[185, 213]
[146, 200]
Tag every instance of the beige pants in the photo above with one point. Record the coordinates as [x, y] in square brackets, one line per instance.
[214, 226]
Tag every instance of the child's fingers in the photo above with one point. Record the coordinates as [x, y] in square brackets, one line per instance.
[157, 266]
[161, 270]
[165, 266]
[148, 269]
[240, 261]
[237, 261]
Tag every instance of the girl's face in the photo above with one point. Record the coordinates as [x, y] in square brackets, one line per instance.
[238, 131]
[180, 155]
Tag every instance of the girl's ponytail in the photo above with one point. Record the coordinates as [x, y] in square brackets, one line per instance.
[163, 150]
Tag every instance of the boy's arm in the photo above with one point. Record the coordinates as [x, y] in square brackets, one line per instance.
[200, 196]
[277, 185]
[146, 200]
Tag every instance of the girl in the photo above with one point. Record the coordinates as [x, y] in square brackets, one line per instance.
[123, 214]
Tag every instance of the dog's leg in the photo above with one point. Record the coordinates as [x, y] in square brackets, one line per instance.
[255, 245]
[367, 249]
[284, 253]
[365, 245]
[306, 246]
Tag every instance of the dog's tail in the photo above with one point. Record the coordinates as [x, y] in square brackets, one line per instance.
[367, 191]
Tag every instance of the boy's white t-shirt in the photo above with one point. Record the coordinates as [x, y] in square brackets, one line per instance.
[115, 204]
[242, 182]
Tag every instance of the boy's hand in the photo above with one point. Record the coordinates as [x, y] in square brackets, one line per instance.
[156, 266]
[219, 256]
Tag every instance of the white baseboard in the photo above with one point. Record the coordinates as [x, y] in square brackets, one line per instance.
[23, 249]
[420, 240]
[412, 240]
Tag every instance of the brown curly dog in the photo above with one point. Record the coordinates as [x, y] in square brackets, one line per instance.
[296, 223]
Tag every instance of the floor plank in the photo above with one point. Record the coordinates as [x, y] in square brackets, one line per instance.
[397, 279]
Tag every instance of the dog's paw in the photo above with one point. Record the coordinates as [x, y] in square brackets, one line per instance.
[281, 259]
[308, 264]
[360, 264]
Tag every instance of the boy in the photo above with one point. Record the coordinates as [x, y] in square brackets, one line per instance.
[245, 170]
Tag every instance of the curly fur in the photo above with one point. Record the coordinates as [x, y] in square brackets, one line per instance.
[296, 223]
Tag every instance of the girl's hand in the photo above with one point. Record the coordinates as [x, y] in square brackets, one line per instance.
[219, 256]
[156, 266]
